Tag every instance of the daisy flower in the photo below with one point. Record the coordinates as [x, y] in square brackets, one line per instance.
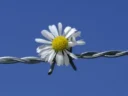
[58, 44]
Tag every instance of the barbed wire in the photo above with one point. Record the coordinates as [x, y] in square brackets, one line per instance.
[84, 55]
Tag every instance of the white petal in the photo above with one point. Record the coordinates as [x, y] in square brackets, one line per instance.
[44, 53]
[51, 57]
[46, 56]
[72, 39]
[42, 41]
[66, 59]
[42, 48]
[76, 34]
[71, 44]
[47, 34]
[66, 30]
[80, 42]
[59, 58]
[60, 28]
[71, 32]
[53, 29]
[39, 48]
[71, 54]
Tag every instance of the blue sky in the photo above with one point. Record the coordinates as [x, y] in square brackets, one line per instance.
[103, 24]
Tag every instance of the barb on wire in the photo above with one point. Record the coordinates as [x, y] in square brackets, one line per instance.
[84, 55]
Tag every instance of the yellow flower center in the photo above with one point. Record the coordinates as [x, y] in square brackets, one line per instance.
[59, 43]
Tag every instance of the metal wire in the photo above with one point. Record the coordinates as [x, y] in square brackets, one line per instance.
[85, 55]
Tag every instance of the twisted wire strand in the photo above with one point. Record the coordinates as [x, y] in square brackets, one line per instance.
[84, 55]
